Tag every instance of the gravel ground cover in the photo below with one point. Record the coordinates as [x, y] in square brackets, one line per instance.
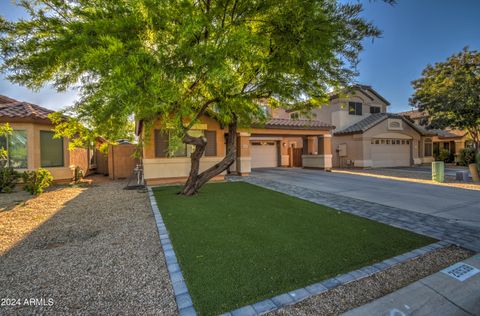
[91, 250]
[418, 177]
[351, 295]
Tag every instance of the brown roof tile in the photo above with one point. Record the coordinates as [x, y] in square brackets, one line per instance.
[5, 99]
[22, 110]
[297, 124]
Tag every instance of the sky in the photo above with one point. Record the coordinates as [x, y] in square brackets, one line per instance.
[415, 33]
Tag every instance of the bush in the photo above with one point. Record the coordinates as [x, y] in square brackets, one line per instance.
[467, 156]
[36, 181]
[443, 155]
[8, 179]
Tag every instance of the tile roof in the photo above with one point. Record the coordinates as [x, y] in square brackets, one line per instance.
[5, 99]
[24, 110]
[441, 133]
[372, 120]
[297, 124]
[414, 114]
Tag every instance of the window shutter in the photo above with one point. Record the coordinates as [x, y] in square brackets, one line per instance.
[161, 143]
[211, 149]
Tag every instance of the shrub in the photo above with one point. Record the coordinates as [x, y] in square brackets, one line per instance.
[37, 181]
[8, 179]
[467, 156]
[443, 155]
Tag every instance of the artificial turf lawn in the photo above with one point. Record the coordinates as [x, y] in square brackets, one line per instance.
[238, 243]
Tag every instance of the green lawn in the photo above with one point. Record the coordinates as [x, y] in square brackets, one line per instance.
[238, 243]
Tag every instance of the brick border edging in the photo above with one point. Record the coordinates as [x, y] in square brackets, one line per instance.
[298, 295]
[182, 295]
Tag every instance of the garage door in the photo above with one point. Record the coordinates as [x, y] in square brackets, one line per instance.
[390, 153]
[264, 154]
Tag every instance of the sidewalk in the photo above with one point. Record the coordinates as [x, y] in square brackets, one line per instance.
[437, 294]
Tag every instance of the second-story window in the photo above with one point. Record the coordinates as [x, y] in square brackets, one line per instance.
[294, 116]
[374, 109]
[354, 108]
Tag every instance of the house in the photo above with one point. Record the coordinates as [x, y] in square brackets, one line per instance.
[32, 145]
[278, 143]
[453, 140]
[366, 135]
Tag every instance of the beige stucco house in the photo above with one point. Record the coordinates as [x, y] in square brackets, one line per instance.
[366, 135]
[32, 145]
[278, 143]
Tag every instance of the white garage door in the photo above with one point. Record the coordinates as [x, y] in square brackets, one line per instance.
[390, 153]
[264, 154]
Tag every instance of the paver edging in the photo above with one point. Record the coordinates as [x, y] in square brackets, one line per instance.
[180, 290]
[184, 300]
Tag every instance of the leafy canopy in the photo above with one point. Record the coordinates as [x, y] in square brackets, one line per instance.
[178, 58]
[450, 93]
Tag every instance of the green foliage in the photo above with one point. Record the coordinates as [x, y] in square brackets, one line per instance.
[178, 58]
[8, 179]
[37, 181]
[450, 93]
[467, 156]
[442, 155]
[5, 131]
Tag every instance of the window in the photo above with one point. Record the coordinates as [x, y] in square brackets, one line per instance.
[51, 150]
[164, 139]
[211, 149]
[374, 109]
[354, 108]
[295, 116]
[16, 146]
[428, 150]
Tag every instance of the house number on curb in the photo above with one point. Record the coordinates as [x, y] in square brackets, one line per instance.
[461, 271]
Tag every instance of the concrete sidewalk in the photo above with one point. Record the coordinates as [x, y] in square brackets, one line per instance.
[438, 294]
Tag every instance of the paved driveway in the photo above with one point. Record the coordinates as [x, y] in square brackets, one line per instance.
[456, 205]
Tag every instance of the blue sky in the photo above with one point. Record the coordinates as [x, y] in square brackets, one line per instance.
[415, 33]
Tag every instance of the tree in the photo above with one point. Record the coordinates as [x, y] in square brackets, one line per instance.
[449, 92]
[178, 60]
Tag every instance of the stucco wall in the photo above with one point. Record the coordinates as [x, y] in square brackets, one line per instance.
[33, 150]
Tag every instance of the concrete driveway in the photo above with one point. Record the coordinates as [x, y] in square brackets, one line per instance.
[456, 205]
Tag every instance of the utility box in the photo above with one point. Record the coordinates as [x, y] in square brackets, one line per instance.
[438, 171]
[342, 150]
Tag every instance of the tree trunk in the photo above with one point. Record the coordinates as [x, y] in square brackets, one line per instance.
[196, 180]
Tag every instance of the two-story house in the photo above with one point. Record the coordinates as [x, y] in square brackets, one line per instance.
[366, 135]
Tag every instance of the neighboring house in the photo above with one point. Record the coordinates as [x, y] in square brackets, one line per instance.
[279, 142]
[32, 145]
[452, 140]
[366, 135]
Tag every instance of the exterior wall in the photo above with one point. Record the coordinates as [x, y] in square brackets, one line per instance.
[159, 170]
[121, 163]
[354, 147]
[80, 157]
[102, 162]
[33, 150]
[336, 112]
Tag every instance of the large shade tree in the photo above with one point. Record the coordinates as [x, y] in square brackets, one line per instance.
[178, 60]
[449, 93]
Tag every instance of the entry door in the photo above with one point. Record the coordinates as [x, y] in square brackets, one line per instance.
[264, 154]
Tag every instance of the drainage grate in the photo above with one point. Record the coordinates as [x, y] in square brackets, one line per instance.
[461, 271]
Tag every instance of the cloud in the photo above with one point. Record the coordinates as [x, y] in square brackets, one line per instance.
[46, 97]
